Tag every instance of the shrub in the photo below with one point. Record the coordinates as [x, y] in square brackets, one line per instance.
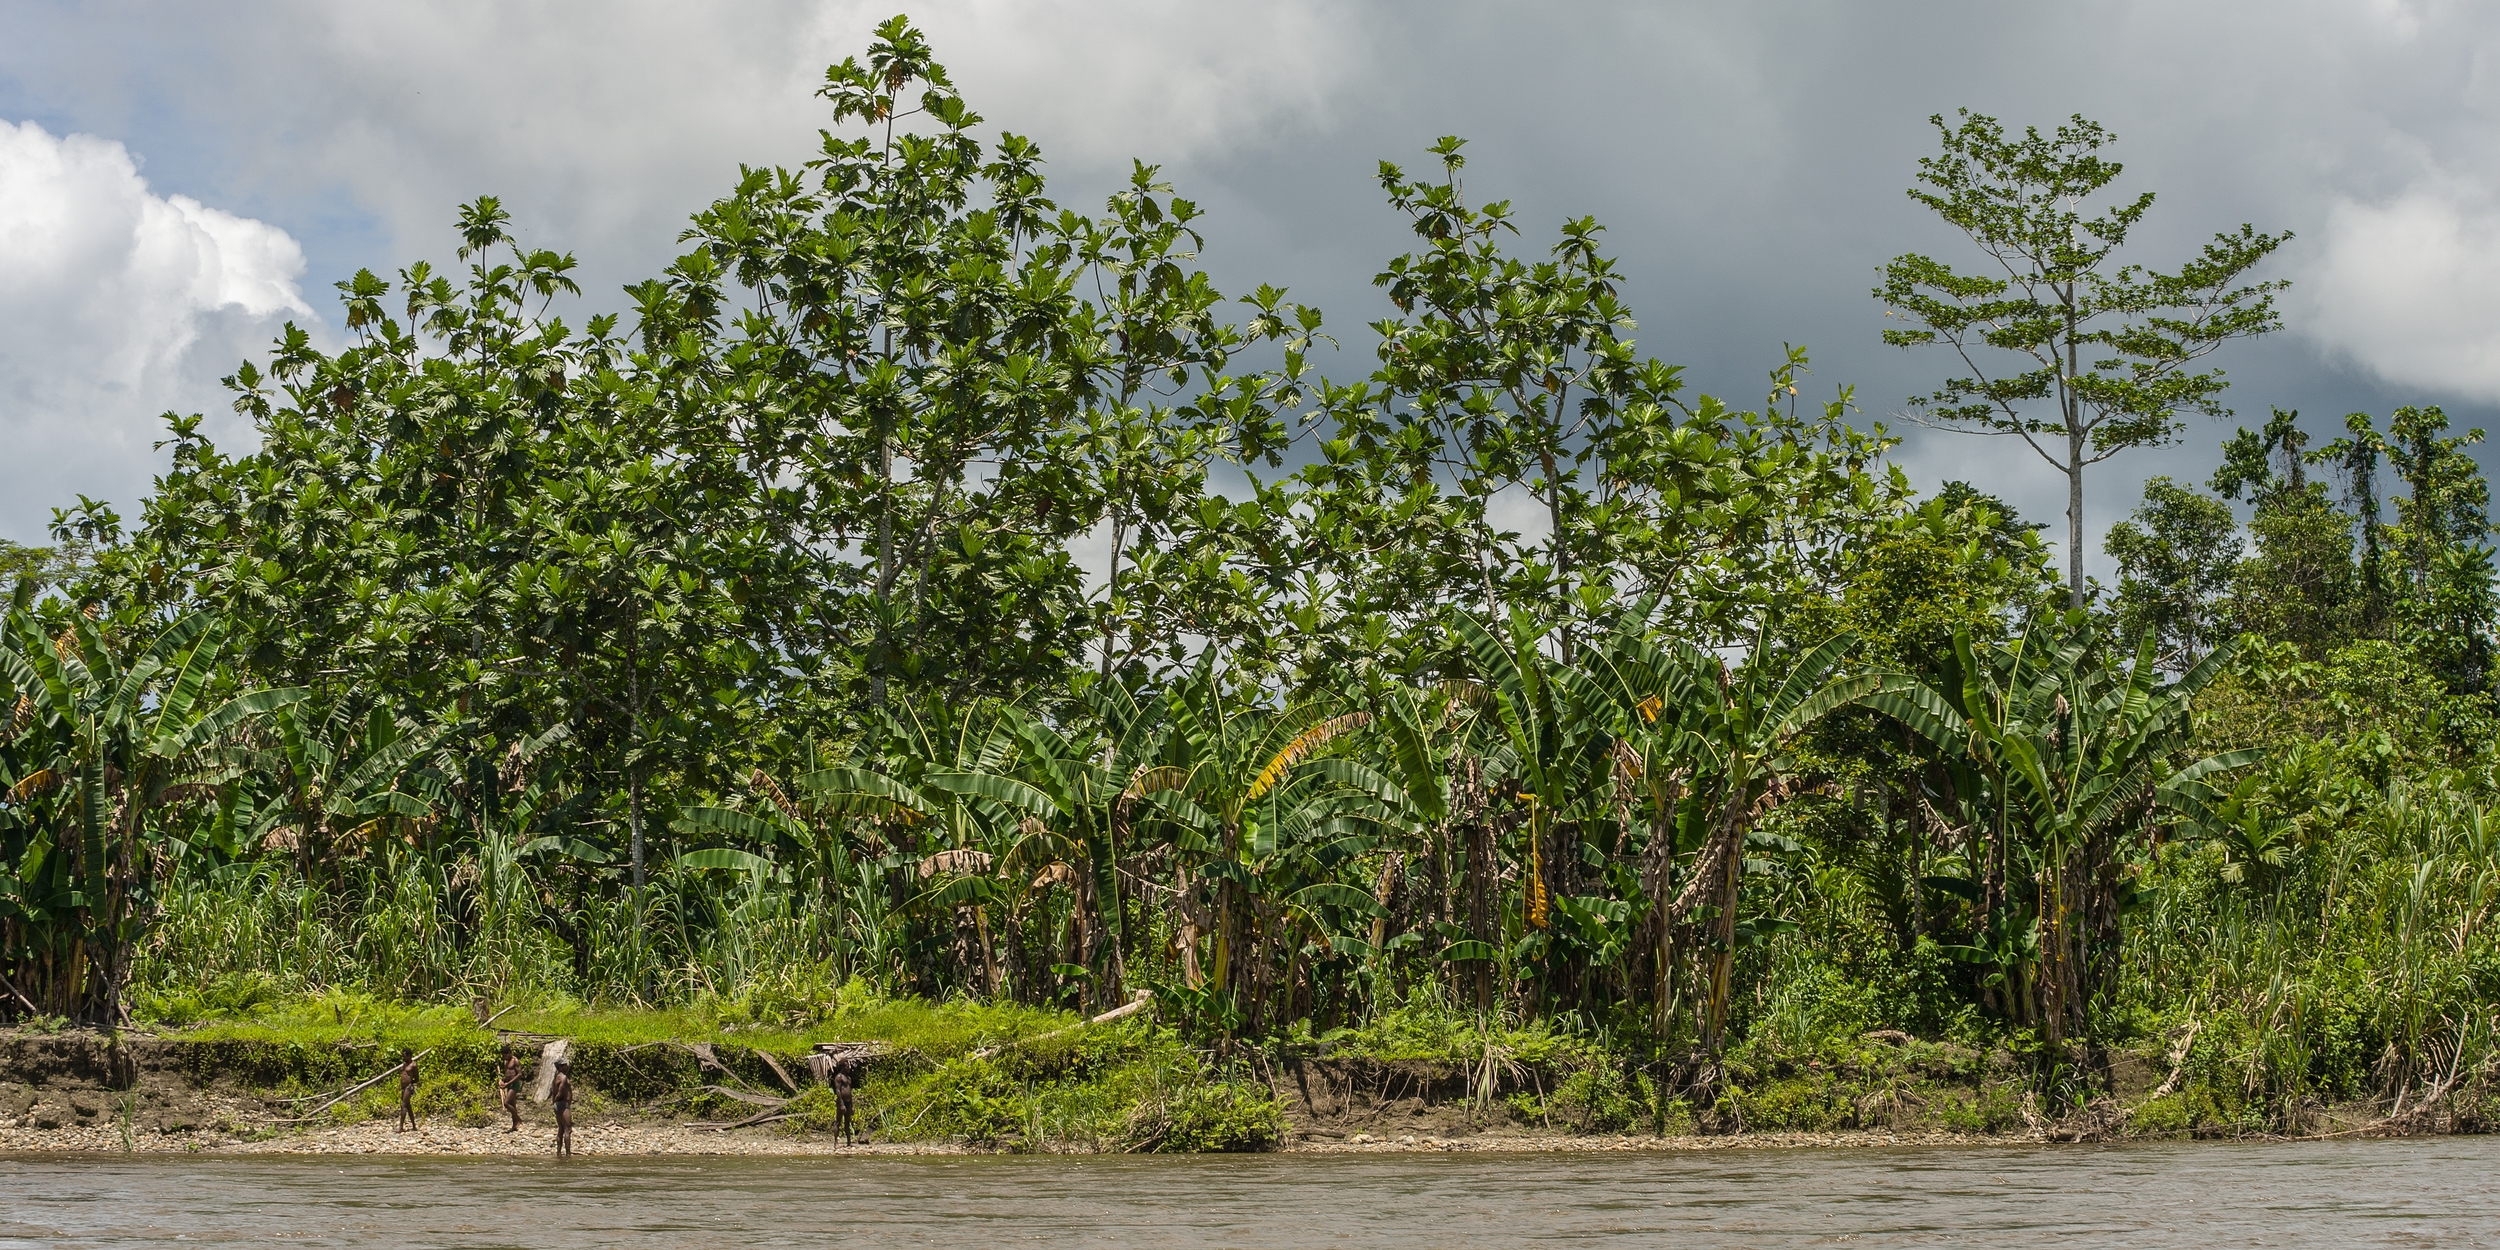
[1217, 1117]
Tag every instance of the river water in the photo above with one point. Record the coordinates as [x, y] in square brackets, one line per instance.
[2435, 1192]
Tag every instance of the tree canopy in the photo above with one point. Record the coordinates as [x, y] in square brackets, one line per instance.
[925, 583]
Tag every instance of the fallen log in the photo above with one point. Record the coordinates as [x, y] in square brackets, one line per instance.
[854, 1052]
[767, 1118]
[775, 1065]
[1134, 1005]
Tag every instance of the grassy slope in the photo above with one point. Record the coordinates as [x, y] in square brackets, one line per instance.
[1118, 1086]
[1136, 1085]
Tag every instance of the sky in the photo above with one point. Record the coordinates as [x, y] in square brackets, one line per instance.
[177, 181]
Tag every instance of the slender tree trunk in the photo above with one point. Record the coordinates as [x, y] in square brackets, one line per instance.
[1110, 588]
[1723, 930]
[1185, 929]
[989, 962]
[1554, 544]
[2053, 952]
[1381, 893]
[2076, 448]
[1439, 870]
[885, 567]
[2074, 520]
[1658, 883]
[1259, 970]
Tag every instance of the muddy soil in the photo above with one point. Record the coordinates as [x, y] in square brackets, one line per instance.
[85, 1082]
[84, 1091]
[1336, 1101]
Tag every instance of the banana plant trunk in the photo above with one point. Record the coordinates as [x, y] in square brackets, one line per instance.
[1730, 877]
[1480, 906]
[1185, 929]
[1658, 886]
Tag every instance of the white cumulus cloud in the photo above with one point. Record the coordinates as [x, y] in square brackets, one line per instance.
[602, 125]
[118, 304]
[2409, 287]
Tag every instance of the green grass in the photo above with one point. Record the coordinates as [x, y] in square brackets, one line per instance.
[997, 1075]
[1009, 1077]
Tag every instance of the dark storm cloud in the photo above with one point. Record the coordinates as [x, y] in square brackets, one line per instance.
[1749, 160]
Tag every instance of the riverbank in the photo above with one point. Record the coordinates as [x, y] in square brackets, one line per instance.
[625, 1139]
[310, 1076]
[226, 1092]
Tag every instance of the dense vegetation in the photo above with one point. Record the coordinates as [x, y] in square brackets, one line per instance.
[736, 650]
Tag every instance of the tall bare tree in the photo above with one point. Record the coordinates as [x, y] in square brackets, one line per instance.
[2078, 355]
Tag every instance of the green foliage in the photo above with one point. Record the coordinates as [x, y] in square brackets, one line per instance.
[1217, 1117]
[1599, 1099]
[1950, 566]
[2175, 560]
[725, 672]
[27, 573]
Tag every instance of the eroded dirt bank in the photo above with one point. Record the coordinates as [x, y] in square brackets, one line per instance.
[84, 1091]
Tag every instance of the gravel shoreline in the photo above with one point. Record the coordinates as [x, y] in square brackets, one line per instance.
[630, 1139]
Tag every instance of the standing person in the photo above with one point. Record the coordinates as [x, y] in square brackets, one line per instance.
[562, 1096]
[842, 1104]
[510, 1086]
[407, 1091]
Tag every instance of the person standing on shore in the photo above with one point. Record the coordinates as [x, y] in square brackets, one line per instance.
[562, 1096]
[842, 1103]
[510, 1087]
[407, 1090]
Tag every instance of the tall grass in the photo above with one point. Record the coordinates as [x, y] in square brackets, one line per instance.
[475, 926]
[2365, 971]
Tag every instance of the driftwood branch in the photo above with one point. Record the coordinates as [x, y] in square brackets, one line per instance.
[353, 1090]
[766, 1118]
[855, 1052]
[11, 986]
[2179, 1060]
[775, 1065]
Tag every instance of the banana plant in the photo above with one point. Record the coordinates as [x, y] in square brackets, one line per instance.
[97, 747]
[2074, 758]
[1722, 737]
[336, 782]
[1265, 820]
[1418, 738]
[1546, 741]
[1012, 809]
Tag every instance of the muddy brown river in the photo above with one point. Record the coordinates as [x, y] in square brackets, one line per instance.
[2437, 1192]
